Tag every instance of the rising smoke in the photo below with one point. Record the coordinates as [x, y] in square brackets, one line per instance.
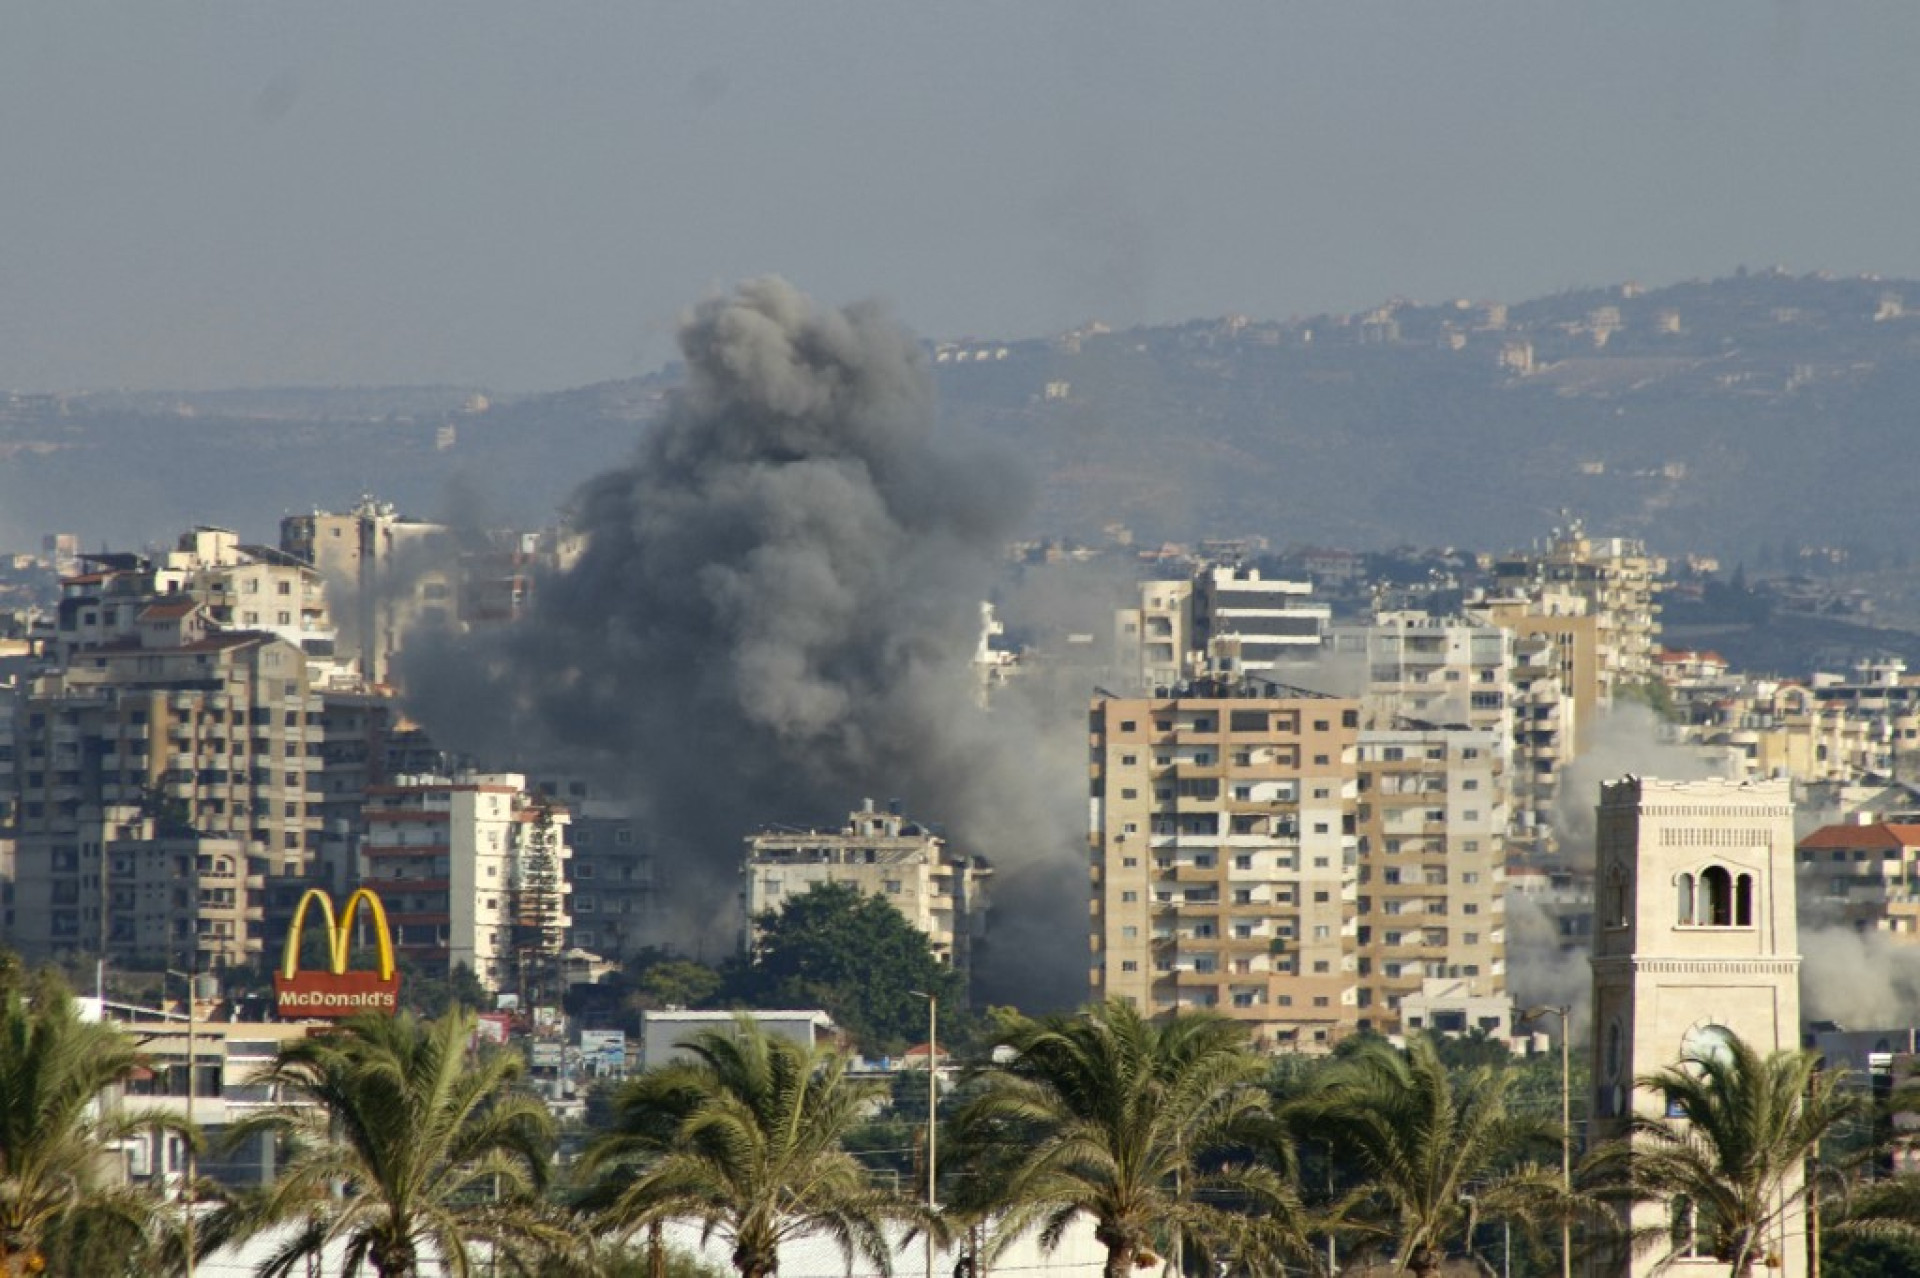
[773, 617]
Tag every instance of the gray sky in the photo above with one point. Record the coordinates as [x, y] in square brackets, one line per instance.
[524, 196]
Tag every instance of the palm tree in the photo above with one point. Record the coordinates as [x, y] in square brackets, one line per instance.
[402, 1144]
[1737, 1162]
[57, 1140]
[1111, 1116]
[746, 1138]
[1434, 1152]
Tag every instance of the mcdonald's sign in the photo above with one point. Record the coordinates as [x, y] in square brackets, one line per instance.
[302, 995]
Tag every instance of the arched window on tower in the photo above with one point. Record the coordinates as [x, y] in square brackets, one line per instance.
[1743, 901]
[1716, 891]
[1683, 899]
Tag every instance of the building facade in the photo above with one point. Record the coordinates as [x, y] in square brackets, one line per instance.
[1225, 856]
[473, 872]
[940, 891]
[1432, 892]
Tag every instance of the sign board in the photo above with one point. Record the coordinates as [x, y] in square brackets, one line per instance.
[493, 1027]
[545, 1055]
[605, 1050]
[335, 993]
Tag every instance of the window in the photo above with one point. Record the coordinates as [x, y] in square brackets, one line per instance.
[1129, 965]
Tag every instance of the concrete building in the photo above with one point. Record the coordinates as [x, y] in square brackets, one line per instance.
[1432, 894]
[613, 867]
[1695, 940]
[940, 891]
[386, 574]
[1222, 620]
[1866, 875]
[473, 873]
[1434, 670]
[662, 1033]
[1620, 582]
[145, 737]
[1225, 856]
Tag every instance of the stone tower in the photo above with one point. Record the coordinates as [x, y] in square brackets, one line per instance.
[1694, 939]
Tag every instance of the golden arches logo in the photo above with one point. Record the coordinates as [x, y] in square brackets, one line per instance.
[337, 992]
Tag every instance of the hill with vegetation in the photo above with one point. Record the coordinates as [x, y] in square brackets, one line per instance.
[1759, 416]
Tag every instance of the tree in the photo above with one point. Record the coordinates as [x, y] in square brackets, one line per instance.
[853, 955]
[55, 1141]
[432, 1150]
[1737, 1160]
[747, 1139]
[1433, 1150]
[1108, 1115]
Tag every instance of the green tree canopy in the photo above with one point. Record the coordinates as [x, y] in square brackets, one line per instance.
[1752, 1122]
[403, 1147]
[1432, 1148]
[57, 1203]
[747, 1138]
[1126, 1121]
[852, 954]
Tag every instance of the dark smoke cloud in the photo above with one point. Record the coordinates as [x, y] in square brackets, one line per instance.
[773, 617]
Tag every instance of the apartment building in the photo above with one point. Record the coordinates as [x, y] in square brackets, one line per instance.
[473, 871]
[1867, 876]
[1432, 893]
[1433, 669]
[1620, 583]
[1224, 620]
[389, 573]
[1225, 856]
[940, 890]
[149, 735]
[613, 865]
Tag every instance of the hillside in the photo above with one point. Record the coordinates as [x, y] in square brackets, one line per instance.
[1743, 416]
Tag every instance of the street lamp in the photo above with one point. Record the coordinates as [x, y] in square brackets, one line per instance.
[1566, 1127]
[933, 1110]
[193, 1162]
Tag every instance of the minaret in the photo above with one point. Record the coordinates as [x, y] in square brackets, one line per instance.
[1694, 939]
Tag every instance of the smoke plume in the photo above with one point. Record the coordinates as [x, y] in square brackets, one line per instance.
[773, 616]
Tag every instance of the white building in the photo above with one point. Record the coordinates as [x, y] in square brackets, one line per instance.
[472, 871]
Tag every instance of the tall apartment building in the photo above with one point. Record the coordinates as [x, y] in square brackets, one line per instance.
[1432, 892]
[1434, 670]
[390, 574]
[613, 880]
[473, 873]
[157, 729]
[1619, 581]
[1225, 856]
[1223, 620]
[939, 890]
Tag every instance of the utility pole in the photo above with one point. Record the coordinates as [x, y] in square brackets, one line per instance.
[1566, 1123]
[933, 1113]
[193, 1162]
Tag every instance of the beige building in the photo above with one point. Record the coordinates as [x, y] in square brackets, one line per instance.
[1694, 940]
[136, 746]
[940, 891]
[387, 574]
[1432, 893]
[1226, 856]
[1867, 875]
[1620, 583]
[473, 872]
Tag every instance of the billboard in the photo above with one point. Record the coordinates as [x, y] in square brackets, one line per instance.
[301, 995]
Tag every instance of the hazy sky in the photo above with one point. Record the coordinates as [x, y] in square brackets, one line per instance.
[525, 195]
